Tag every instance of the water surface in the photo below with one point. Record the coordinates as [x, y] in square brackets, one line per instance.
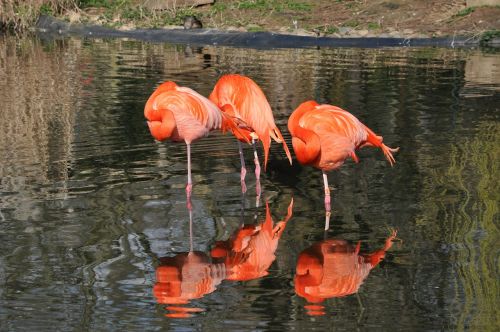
[91, 207]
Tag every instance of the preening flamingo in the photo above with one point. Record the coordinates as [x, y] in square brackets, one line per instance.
[181, 114]
[324, 136]
[242, 98]
[334, 268]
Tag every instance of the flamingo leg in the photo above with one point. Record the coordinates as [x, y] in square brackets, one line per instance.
[189, 186]
[243, 169]
[257, 169]
[327, 220]
[327, 192]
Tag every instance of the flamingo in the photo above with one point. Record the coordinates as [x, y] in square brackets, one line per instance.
[334, 268]
[324, 136]
[181, 114]
[242, 98]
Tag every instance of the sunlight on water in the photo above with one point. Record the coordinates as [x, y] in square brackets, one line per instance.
[94, 226]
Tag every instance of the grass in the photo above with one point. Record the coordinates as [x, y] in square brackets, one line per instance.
[488, 35]
[19, 15]
[351, 24]
[274, 5]
[465, 12]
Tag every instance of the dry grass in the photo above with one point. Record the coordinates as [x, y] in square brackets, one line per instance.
[19, 15]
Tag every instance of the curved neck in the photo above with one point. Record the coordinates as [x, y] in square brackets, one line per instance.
[306, 145]
[305, 142]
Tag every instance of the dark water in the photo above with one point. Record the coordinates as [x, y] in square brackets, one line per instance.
[91, 207]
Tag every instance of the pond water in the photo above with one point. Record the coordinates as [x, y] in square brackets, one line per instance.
[94, 229]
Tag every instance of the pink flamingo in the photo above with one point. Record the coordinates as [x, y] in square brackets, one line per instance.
[324, 136]
[181, 114]
[242, 98]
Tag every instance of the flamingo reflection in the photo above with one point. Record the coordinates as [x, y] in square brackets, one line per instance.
[184, 277]
[249, 253]
[334, 268]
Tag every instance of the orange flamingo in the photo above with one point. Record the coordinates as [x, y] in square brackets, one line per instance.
[242, 98]
[181, 114]
[250, 252]
[324, 136]
[334, 268]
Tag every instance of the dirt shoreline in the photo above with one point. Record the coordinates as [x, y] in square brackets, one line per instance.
[50, 26]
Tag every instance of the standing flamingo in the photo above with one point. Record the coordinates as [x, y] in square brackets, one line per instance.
[242, 98]
[182, 114]
[324, 136]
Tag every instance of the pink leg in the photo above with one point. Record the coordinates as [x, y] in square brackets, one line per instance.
[257, 169]
[327, 192]
[189, 186]
[243, 169]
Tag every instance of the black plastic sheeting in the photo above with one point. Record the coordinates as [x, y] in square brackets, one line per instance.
[264, 40]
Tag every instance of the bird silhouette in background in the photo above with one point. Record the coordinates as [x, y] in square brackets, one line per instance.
[181, 114]
[324, 136]
[334, 268]
[249, 253]
[241, 97]
[191, 22]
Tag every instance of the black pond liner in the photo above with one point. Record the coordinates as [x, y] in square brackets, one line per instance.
[48, 25]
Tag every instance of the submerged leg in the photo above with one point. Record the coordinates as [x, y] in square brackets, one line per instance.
[257, 169]
[189, 186]
[243, 169]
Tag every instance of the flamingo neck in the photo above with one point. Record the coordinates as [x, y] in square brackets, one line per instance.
[306, 145]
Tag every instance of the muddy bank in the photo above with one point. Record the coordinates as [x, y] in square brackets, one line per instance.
[49, 26]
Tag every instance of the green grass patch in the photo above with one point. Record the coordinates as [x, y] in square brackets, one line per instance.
[275, 5]
[373, 26]
[255, 29]
[465, 12]
[487, 36]
[351, 24]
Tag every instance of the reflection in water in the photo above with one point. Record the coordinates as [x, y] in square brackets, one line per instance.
[184, 277]
[249, 253]
[191, 275]
[334, 268]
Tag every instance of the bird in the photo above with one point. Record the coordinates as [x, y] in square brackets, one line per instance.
[242, 98]
[249, 253]
[181, 114]
[324, 136]
[191, 22]
[334, 268]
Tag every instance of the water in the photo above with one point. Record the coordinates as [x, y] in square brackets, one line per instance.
[91, 207]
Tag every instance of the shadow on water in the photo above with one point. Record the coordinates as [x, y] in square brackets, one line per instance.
[90, 205]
